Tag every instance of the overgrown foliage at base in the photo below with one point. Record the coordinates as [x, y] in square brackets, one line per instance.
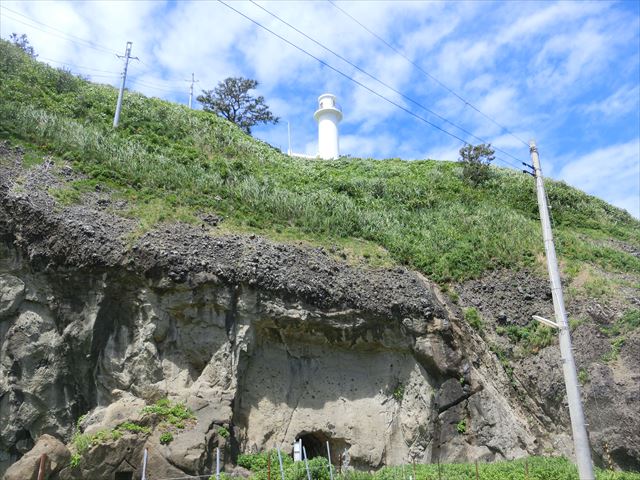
[171, 163]
[539, 468]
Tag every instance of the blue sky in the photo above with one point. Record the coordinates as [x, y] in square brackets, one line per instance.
[564, 73]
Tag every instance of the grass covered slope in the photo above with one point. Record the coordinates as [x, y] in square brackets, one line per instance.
[172, 163]
[533, 468]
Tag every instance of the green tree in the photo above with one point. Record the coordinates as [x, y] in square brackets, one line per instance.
[23, 42]
[475, 161]
[231, 100]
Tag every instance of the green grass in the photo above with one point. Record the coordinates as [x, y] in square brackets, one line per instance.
[172, 163]
[539, 468]
[173, 413]
[532, 337]
[472, 316]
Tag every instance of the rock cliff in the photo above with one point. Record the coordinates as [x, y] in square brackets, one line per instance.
[265, 342]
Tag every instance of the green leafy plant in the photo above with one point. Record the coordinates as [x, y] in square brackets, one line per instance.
[75, 460]
[223, 432]
[472, 316]
[631, 319]
[398, 392]
[616, 346]
[583, 376]
[461, 427]
[133, 428]
[166, 438]
[174, 413]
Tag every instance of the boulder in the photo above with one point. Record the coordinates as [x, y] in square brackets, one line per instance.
[57, 457]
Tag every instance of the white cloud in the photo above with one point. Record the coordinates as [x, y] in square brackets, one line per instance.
[612, 173]
[624, 100]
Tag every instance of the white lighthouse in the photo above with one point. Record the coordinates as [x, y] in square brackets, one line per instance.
[328, 116]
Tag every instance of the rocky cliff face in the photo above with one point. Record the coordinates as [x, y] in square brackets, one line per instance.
[267, 341]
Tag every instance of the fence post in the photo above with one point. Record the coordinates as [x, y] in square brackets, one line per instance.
[144, 464]
[269, 465]
[413, 461]
[477, 474]
[41, 468]
[306, 463]
[526, 469]
[217, 463]
[280, 461]
[329, 458]
[439, 472]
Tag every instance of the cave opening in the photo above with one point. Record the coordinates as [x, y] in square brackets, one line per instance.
[315, 444]
[123, 476]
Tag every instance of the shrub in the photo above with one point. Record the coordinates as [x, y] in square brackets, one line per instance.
[133, 428]
[461, 427]
[173, 413]
[223, 432]
[75, 460]
[166, 438]
[472, 317]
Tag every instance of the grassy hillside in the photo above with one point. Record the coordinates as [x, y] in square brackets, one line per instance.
[172, 163]
[533, 468]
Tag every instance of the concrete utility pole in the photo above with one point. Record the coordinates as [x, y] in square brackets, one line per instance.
[193, 80]
[580, 437]
[127, 56]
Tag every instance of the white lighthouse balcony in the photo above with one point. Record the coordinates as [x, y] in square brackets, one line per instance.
[327, 105]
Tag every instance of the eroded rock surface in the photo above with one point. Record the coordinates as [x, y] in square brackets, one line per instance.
[269, 342]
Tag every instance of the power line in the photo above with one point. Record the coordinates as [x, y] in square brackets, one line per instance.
[419, 117]
[382, 82]
[88, 43]
[155, 87]
[505, 129]
[76, 66]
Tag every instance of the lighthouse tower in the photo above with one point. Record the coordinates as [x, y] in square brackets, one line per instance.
[328, 116]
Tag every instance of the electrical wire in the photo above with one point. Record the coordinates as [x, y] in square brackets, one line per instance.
[348, 77]
[76, 66]
[87, 43]
[418, 104]
[467, 103]
[145, 84]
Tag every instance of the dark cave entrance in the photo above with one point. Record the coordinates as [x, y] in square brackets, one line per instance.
[315, 443]
[123, 476]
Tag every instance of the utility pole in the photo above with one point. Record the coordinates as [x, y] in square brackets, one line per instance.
[127, 56]
[580, 437]
[193, 80]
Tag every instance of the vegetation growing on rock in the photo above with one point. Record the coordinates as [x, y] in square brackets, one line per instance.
[539, 468]
[172, 163]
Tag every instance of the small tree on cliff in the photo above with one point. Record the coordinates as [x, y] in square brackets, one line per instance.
[231, 100]
[475, 161]
[22, 42]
